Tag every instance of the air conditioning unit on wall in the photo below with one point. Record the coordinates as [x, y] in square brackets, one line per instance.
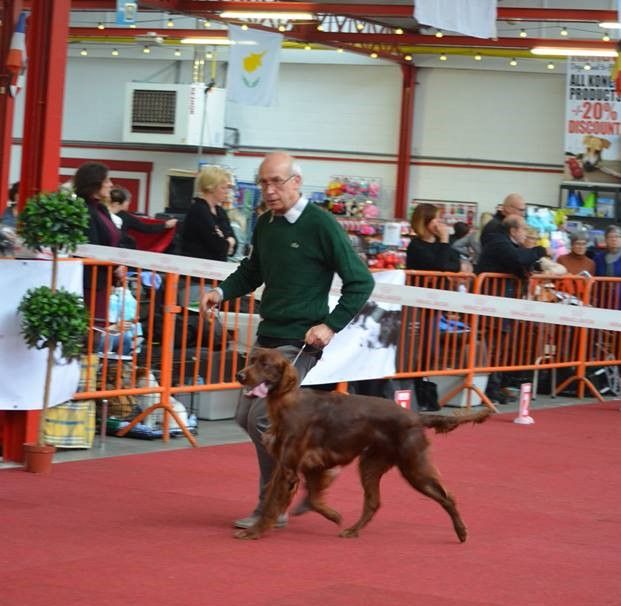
[173, 114]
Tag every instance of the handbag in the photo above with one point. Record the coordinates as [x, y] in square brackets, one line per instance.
[426, 393]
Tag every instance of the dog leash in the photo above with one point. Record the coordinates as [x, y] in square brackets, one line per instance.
[299, 354]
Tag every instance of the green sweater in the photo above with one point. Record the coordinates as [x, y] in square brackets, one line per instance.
[297, 262]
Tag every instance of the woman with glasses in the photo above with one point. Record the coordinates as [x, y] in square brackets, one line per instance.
[207, 231]
[576, 260]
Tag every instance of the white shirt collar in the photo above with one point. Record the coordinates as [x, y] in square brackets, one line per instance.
[293, 214]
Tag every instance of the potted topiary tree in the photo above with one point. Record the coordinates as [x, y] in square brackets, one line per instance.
[52, 318]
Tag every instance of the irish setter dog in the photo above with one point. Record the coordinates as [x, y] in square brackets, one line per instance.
[314, 431]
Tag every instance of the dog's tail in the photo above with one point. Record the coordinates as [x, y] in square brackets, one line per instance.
[446, 423]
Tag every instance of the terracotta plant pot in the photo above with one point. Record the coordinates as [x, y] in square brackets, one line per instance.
[38, 459]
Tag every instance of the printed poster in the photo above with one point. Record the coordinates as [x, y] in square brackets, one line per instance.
[592, 124]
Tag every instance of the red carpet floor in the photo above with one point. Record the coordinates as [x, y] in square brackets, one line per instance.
[541, 503]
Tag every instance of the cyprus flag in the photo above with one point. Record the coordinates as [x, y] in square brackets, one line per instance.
[254, 59]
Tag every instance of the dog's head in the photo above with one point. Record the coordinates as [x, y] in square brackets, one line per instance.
[593, 148]
[268, 373]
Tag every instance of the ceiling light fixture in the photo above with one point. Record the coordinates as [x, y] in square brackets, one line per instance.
[100, 25]
[132, 26]
[373, 55]
[513, 62]
[206, 24]
[244, 27]
[587, 67]
[307, 47]
[610, 25]
[177, 53]
[399, 31]
[573, 52]
[281, 28]
[606, 37]
[439, 34]
[146, 50]
[115, 52]
[408, 57]
[208, 55]
[564, 32]
[443, 57]
[523, 33]
[170, 23]
[340, 50]
[320, 28]
[478, 57]
[550, 65]
[359, 26]
[84, 52]
[274, 16]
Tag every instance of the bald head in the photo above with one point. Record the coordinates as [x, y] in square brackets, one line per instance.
[280, 180]
[514, 204]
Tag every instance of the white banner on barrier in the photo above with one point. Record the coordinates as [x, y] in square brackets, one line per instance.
[414, 296]
[22, 371]
[367, 347]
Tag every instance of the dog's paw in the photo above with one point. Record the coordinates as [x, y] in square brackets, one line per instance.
[349, 533]
[247, 534]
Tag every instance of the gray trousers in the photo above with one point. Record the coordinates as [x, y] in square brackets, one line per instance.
[251, 414]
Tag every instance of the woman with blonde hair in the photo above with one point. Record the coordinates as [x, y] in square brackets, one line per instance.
[207, 231]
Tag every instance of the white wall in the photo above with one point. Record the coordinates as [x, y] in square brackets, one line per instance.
[336, 116]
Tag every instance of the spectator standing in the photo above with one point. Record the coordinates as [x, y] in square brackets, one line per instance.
[505, 253]
[297, 248]
[429, 249]
[207, 231]
[608, 261]
[469, 246]
[513, 204]
[576, 261]
[92, 183]
[9, 218]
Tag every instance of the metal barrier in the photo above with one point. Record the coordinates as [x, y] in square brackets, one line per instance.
[188, 353]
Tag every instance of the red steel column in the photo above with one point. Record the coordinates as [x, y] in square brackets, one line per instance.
[48, 29]
[405, 141]
[9, 12]
[47, 48]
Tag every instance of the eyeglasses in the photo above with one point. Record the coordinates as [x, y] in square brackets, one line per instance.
[276, 182]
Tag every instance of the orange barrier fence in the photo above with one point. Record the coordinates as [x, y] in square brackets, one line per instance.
[150, 339]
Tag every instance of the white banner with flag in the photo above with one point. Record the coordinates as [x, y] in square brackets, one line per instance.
[254, 59]
[470, 17]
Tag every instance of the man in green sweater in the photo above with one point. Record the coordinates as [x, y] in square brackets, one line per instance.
[297, 248]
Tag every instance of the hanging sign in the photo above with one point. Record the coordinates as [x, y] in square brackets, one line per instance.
[593, 122]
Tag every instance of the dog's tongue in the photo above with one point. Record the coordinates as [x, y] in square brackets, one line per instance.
[260, 391]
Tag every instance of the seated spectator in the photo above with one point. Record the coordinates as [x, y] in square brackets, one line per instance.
[429, 249]
[504, 252]
[576, 260]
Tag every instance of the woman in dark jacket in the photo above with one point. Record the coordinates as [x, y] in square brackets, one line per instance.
[207, 232]
[429, 248]
[92, 183]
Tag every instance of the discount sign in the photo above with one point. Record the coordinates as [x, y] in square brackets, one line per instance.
[592, 126]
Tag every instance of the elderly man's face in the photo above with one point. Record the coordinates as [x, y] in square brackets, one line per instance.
[518, 234]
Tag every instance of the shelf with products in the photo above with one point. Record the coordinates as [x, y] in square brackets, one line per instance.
[383, 242]
[590, 207]
[591, 200]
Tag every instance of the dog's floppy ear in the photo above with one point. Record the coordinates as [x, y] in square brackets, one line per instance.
[288, 378]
